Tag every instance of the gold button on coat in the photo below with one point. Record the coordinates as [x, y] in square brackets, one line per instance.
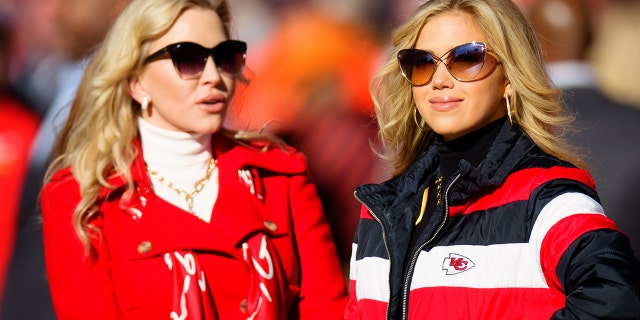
[271, 225]
[243, 305]
[144, 247]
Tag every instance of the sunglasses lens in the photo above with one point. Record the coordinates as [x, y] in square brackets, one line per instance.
[417, 65]
[230, 55]
[467, 62]
[189, 58]
[470, 62]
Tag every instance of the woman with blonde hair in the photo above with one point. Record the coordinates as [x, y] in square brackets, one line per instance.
[153, 210]
[489, 214]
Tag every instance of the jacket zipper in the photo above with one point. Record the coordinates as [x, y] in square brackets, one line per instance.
[384, 239]
[414, 259]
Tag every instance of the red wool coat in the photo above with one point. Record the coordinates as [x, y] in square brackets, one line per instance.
[144, 239]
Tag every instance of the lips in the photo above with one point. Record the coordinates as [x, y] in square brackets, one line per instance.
[212, 103]
[444, 103]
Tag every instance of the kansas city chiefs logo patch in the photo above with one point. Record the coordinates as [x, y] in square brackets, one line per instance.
[456, 263]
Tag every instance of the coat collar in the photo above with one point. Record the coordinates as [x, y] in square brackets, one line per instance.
[231, 155]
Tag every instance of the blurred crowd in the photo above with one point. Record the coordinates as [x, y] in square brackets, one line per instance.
[309, 64]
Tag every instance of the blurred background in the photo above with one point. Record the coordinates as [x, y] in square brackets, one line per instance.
[310, 63]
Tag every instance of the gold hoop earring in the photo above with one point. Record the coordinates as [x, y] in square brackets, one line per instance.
[415, 119]
[507, 98]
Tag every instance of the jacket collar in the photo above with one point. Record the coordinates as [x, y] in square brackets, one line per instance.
[508, 148]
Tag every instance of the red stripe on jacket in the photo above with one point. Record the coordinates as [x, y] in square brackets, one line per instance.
[519, 186]
[562, 235]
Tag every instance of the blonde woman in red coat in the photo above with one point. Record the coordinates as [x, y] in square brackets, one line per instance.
[153, 210]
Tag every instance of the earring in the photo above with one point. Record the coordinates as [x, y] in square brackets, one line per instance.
[415, 119]
[145, 104]
[506, 97]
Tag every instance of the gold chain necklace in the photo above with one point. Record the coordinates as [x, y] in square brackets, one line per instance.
[425, 197]
[187, 196]
[439, 190]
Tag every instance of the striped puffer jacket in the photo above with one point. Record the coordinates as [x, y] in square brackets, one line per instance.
[521, 236]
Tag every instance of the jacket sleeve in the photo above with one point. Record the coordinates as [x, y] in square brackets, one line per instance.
[599, 275]
[80, 287]
[323, 285]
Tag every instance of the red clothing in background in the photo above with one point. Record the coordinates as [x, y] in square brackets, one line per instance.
[18, 127]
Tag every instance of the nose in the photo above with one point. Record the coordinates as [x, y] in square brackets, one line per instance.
[210, 73]
[442, 78]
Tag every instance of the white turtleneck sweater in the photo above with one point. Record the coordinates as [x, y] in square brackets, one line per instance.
[182, 159]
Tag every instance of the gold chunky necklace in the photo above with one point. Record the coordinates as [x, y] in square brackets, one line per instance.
[197, 187]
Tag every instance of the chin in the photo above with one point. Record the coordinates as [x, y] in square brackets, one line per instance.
[210, 124]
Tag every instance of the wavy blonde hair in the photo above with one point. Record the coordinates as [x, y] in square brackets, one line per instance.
[96, 141]
[535, 103]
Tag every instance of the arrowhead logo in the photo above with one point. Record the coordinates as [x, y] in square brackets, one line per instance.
[456, 263]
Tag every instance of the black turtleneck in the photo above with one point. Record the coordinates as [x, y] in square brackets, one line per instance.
[472, 147]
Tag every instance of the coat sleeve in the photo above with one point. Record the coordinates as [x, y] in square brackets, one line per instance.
[323, 285]
[80, 287]
[599, 275]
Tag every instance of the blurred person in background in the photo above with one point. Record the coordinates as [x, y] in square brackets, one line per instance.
[607, 131]
[18, 125]
[615, 50]
[79, 26]
[34, 57]
[309, 81]
[153, 210]
[82, 24]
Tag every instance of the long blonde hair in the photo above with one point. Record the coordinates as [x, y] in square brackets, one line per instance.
[535, 103]
[96, 141]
